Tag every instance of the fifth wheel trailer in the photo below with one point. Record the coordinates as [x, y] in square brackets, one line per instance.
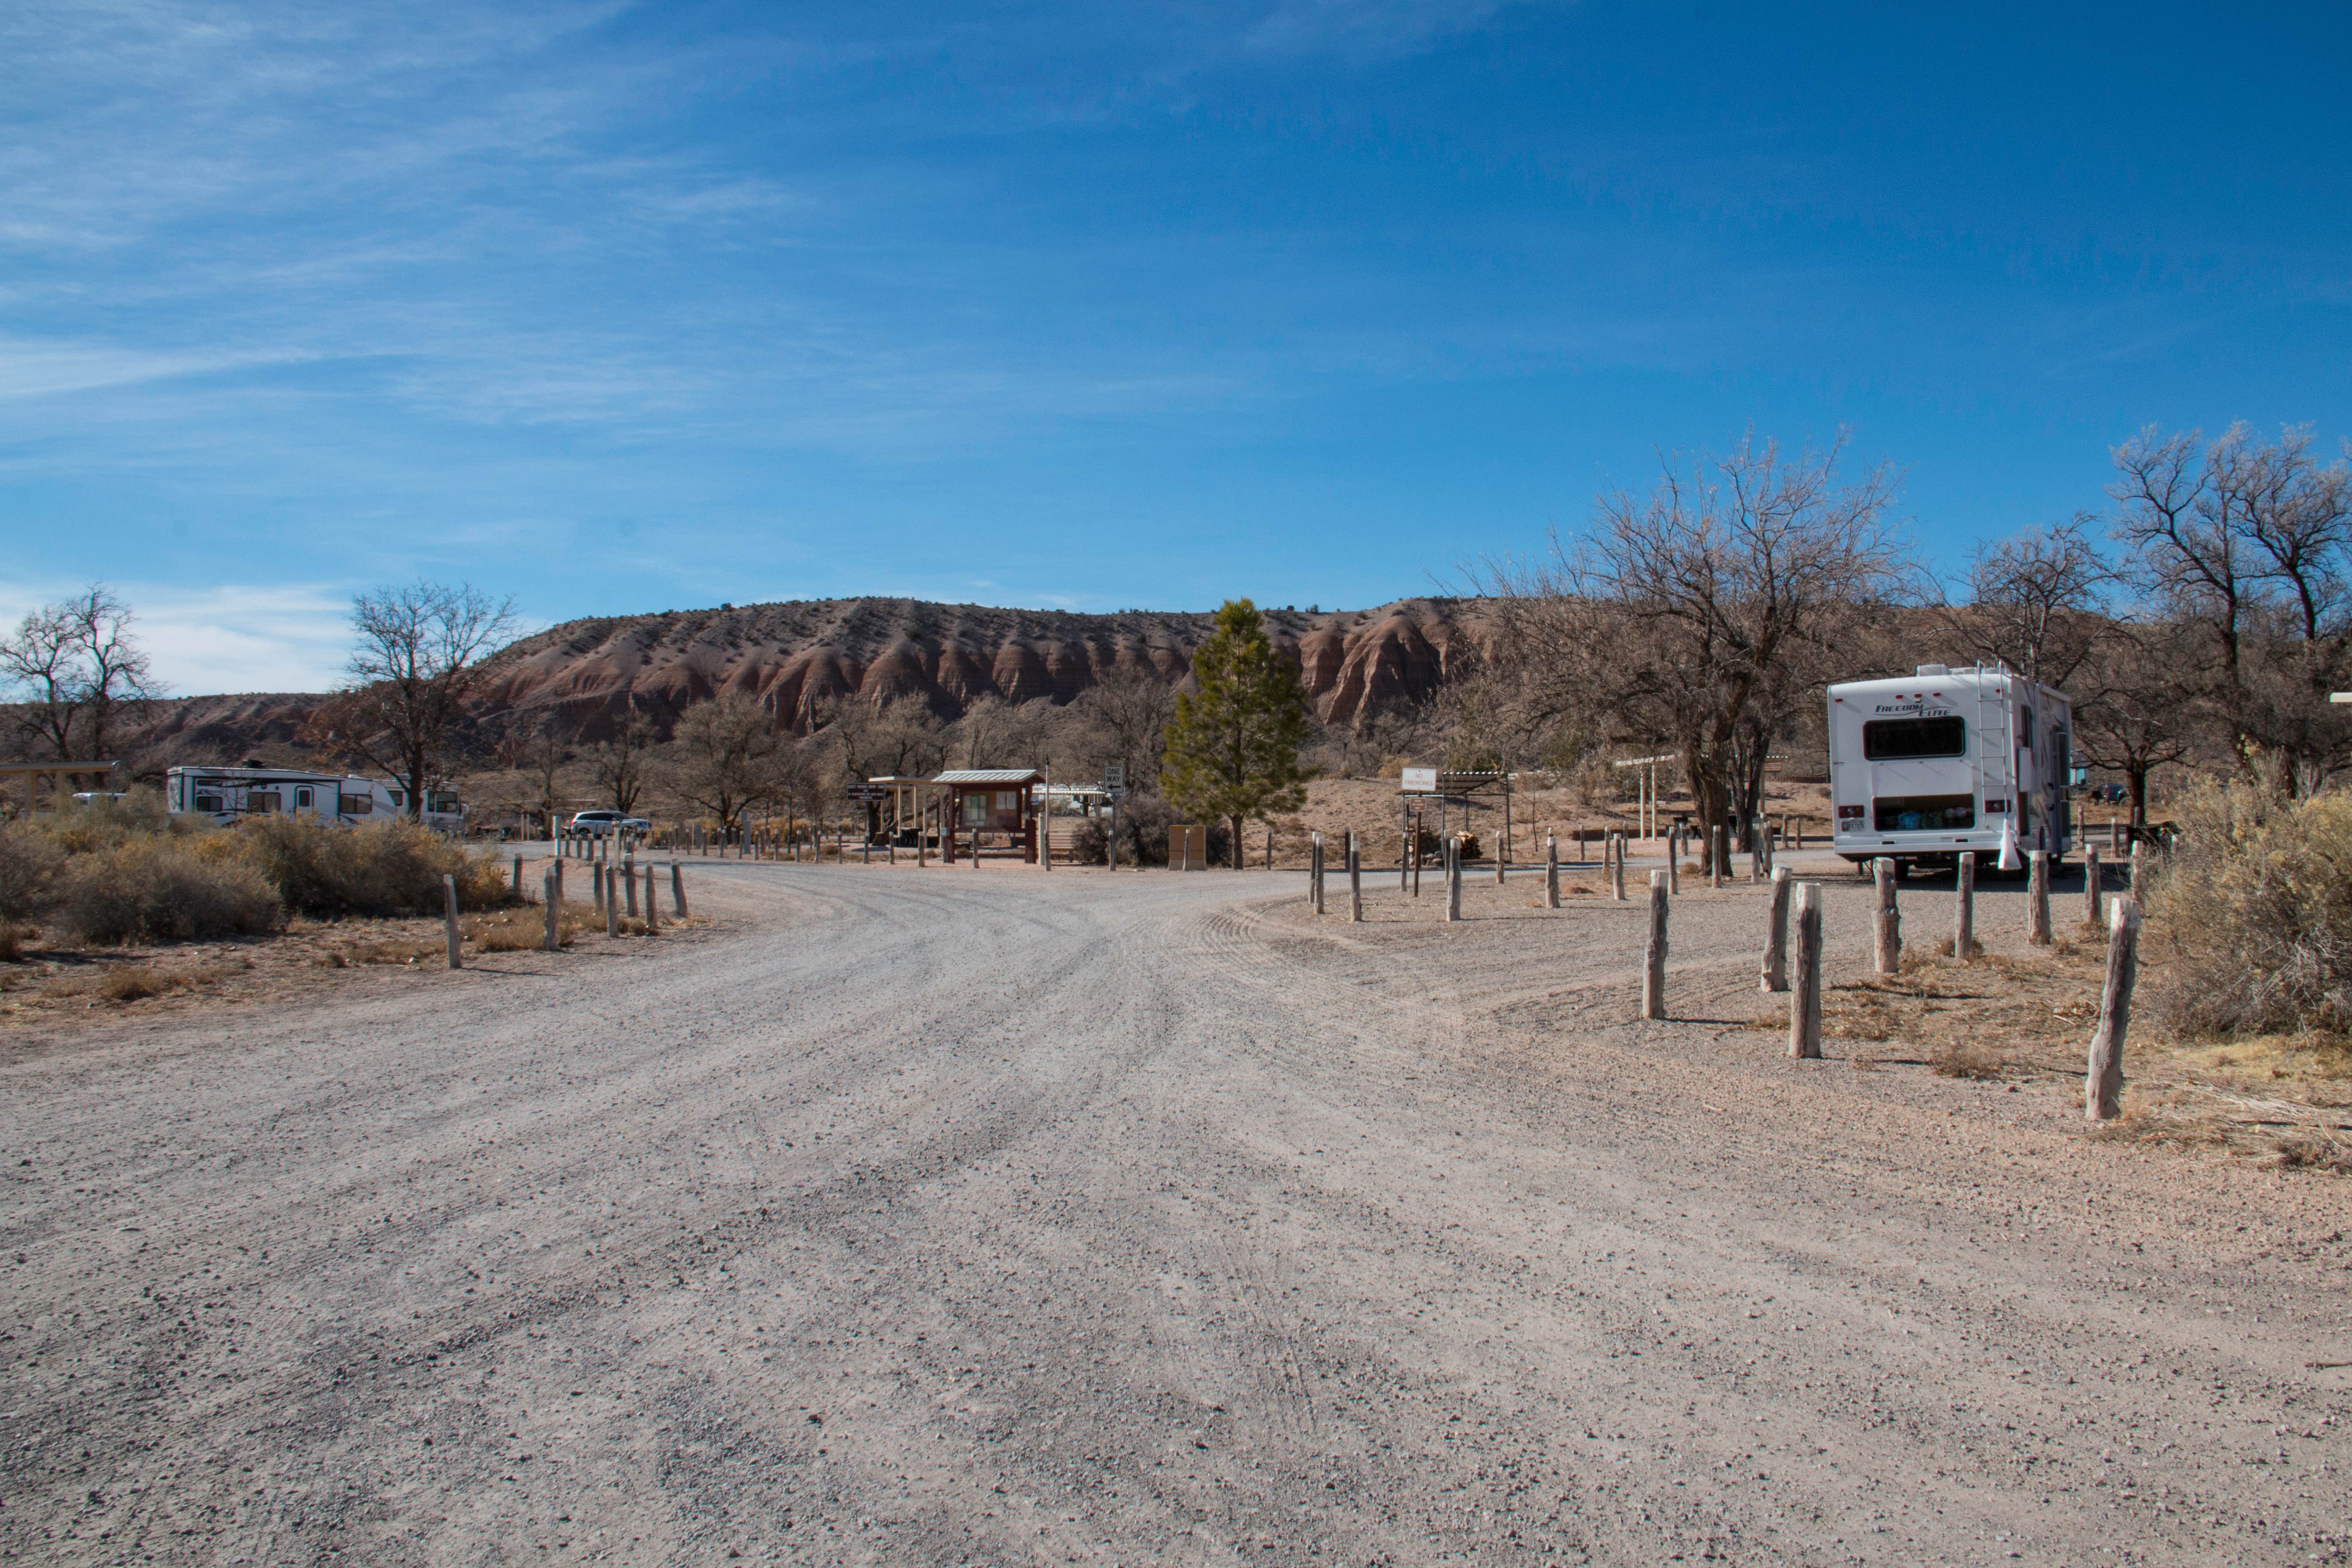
[1931, 766]
[225, 794]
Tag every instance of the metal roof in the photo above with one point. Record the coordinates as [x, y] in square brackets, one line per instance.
[987, 776]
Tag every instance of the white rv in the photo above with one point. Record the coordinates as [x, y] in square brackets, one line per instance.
[228, 794]
[1928, 767]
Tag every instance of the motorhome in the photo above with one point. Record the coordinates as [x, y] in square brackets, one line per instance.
[228, 795]
[1933, 765]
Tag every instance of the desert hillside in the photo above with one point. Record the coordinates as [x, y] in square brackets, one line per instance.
[794, 657]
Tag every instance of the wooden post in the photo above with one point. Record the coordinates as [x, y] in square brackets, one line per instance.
[2037, 897]
[1675, 861]
[1964, 911]
[2134, 885]
[1417, 854]
[611, 905]
[553, 894]
[652, 920]
[596, 876]
[518, 876]
[2091, 900]
[1886, 934]
[1617, 866]
[1805, 999]
[1314, 871]
[1720, 861]
[1775, 976]
[1757, 854]
[449, 917]
[2103, 1085]
[1355, 879]
[629, 883]
[676, 890]
[1653, 954]
[1552, 871]
[1453, 878]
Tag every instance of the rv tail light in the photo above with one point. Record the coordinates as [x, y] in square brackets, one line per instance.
[1996, 807]
[1849, 814]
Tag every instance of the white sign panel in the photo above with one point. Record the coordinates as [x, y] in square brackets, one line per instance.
[1421, 781]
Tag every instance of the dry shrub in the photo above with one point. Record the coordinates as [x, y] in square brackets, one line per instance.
[29, 867]
[1968, 1058]
[165, 888]
[2252, 914]
[383, 868]
[523, 929]
[12, 944]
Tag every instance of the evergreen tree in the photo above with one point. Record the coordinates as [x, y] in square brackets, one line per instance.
[1233, 750]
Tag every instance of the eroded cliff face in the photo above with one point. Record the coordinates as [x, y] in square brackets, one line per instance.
[797, 659]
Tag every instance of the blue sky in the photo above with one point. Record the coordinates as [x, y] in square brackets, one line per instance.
[621, 308]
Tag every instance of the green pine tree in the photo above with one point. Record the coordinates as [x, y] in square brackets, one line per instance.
[1232, 750]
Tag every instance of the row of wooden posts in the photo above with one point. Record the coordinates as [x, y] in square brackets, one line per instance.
[614, 886]
[2104, 1080]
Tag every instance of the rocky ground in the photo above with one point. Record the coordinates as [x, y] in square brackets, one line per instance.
[997, 1216]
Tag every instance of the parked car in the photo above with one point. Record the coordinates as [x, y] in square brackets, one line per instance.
[598, 823]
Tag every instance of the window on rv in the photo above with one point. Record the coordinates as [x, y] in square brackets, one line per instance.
[357, 806]
[1896, 739]
[302, 797]
[2025, 726]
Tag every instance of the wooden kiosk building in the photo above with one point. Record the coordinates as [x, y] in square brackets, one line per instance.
[964, 803]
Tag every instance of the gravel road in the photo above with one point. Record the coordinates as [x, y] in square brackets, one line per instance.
[994, 1217]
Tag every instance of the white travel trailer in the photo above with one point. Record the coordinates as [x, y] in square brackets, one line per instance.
[1928, 767]
[226, 794]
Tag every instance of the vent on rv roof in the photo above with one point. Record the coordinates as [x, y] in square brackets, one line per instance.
[1934, 669]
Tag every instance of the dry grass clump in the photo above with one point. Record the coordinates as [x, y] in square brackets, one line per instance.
[165, 888]
[2251, 915]
[135, 981]
[1960, 1056]
[524, 929]
[29, 866]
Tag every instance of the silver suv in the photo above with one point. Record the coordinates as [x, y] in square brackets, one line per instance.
[598, 823]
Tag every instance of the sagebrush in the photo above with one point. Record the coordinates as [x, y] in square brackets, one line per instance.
[2252, 914]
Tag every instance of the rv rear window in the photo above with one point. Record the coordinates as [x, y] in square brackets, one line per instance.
[1893, 739]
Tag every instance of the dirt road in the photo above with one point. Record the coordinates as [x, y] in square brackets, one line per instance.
[994, 1217]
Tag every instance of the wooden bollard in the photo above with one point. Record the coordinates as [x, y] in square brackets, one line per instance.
[1552, 871]
[653, 918]
[1416, 855]
[612, 903]
[1453, 879]
[1775, 973]
[1964, 911]
[629, 883]
[449, 917]
[1886, 933]
[2037, 897]
[2103, 1085]
[1615, 849]
[596, 884]
[553, 937]
[2134, 885]
[1653, 953]
[1314, 871]
[1674, 859]
[1720, 860]
[676, 890]
[518, 876]
[1805, 996]
[1355, 880]
[2091, 900]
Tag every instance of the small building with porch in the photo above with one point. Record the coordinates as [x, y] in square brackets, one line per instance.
[981, 801]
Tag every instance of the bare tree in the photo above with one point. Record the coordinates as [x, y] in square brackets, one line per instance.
[418, 659]
[2251, 546]
[731, 758]
[1132, 709]
[2130, 715]
[1672, 620]
[620, 762]
[76, 663]
[2035, 602]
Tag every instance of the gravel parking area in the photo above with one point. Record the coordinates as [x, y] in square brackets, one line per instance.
[997, 1217]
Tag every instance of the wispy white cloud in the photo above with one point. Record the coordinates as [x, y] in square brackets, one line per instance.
[232, 636]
